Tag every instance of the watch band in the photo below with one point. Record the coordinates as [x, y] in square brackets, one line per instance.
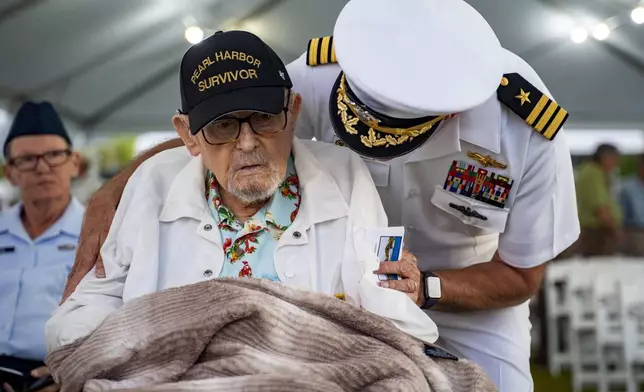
[429, 302]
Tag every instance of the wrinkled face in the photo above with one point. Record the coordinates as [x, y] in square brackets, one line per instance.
[252, 166]
[42, 166]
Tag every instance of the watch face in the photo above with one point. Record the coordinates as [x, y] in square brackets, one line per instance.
[433, 287]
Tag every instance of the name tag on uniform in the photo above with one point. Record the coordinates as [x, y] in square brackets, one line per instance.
[66, 247]
[7, 249]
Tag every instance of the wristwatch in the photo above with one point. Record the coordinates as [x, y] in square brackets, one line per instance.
[432, 290]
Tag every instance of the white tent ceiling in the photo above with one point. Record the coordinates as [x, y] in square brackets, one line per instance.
[112, 65]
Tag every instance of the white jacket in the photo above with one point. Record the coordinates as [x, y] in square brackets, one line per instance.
[163, 236]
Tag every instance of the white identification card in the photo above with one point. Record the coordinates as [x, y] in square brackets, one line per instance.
[387, 244]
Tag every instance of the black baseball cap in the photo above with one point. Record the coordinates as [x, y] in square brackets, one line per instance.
[231, 71]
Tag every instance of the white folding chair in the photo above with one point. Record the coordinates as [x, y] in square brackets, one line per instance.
[632, 315]
[584, 358]
[609, 331]
[557, 307]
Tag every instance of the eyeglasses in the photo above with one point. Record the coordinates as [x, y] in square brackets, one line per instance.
[227, 130]
[30, 162]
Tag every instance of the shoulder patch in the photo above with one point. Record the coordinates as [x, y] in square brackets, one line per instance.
[320, 51]
[534, 107]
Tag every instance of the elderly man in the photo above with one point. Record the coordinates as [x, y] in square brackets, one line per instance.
[38, 237]
[252, 202]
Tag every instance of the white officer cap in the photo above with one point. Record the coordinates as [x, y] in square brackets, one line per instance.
[415, 58]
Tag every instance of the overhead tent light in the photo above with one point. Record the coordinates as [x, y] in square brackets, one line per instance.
[194, 34]
[638, 15]
[601, 31]
[579, 35]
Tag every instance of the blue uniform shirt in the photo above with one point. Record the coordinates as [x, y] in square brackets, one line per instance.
[32, 277]
[632, 200]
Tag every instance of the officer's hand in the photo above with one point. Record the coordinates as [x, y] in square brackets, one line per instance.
[44, 372]
[407, 269]
[96, 224]
[7, 388]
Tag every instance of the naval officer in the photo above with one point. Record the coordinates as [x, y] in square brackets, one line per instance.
[464, 143]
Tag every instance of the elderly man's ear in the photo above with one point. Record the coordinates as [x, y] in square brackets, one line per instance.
[181, 125]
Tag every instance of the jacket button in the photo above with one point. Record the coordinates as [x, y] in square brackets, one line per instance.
[289, 274]
[207, 273]
[207, 227]
[297, 235]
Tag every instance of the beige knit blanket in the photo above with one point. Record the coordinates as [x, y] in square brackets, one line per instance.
[253, 335]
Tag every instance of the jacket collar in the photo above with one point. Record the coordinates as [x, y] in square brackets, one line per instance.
[322, 199]
[69, 223]
[480, 126]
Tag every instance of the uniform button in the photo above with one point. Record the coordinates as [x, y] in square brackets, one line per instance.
[207, 273]
[297, 235]
[289, 274]
[413, 194]
[207, 227]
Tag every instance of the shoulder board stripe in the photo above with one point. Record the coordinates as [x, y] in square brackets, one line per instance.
[537, 109]
[320, 51]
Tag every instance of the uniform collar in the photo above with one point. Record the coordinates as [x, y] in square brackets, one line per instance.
[70, 223]
[322, 199]
[480, 126]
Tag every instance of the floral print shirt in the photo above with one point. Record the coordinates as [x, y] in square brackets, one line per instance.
[249, 246]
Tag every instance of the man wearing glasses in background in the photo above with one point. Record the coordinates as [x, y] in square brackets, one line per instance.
[38, 239]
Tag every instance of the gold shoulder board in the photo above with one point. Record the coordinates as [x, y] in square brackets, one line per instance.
[534, 107]
[320, 51]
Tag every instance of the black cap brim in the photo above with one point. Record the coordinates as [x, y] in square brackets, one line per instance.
[358, 140]
[261, 99]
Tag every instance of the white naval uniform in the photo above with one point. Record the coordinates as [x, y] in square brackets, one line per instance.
[538, 222]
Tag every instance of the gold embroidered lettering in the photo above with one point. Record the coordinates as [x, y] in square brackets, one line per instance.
[227, 55]
[219, 56]
[242, 56]
[256, 63]
[227, 77]
[250, 59]
[235, 55]
[209, 60]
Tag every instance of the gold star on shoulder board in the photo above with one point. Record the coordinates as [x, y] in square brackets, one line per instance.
[524, 97]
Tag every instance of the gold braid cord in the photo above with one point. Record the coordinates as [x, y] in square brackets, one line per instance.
[392, 136]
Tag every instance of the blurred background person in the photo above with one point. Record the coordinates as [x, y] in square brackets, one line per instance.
[632, 203]
[600, 215]
[38, 236]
